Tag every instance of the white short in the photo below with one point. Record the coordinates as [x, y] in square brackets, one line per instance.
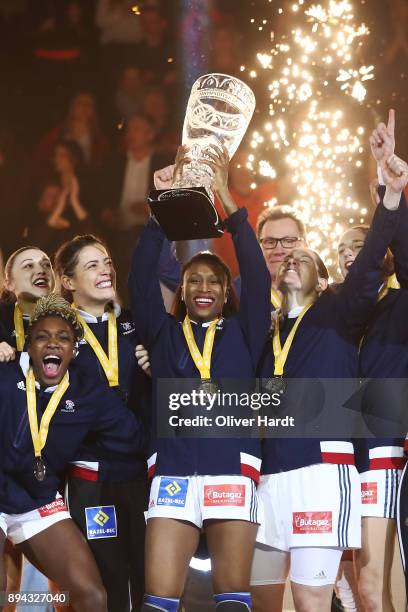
[318, 505]
[3, 524]
[308, 566]
[379, 490]
[199, 498]
[21, 527]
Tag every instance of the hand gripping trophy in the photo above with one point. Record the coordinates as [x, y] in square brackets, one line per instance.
[218, 113]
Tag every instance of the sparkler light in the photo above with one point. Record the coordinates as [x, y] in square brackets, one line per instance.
[314, 88]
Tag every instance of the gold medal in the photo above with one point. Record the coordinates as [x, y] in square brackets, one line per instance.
[278, 384]
[39, 434]
[202, 361]
[109, 363]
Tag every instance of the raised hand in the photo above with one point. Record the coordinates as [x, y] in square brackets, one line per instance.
[7, 352]
[395, 173]
[163, 179]
[142, 357]
[382, 139]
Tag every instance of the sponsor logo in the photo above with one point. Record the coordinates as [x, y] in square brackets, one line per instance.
[101, 522]
[368, 492]
[69, 406]
[83, 341]
[152, 504]
[21, 385]
[224, 495]
[172, 492]
[52, 508]
[312, 522]
[320, 575]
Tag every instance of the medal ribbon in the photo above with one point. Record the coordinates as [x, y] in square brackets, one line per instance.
[109, 363]
[202, 361]
[19, 328]
[276, 299]
[391, 283]
[39, 434]
[281, 354]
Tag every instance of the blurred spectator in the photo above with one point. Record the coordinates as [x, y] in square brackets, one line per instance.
[168, 134]
[63, 208]
[128, 178]
[130, 91]
[80, 125]
[117, 22]
[13, 193]
[398, 46]
[155, 53]
[254, 200]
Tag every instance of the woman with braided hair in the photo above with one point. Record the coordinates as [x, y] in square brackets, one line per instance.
[48, 406]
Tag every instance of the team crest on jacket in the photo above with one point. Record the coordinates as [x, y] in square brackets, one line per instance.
[21, 385]
[69, 406]
[127, 327]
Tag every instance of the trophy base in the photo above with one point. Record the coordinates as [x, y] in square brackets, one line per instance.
[186, 214]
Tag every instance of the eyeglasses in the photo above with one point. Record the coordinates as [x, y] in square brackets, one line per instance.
[287, 242]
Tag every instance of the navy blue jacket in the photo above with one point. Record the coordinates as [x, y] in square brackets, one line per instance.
[326, 346]
[384, 355]
[133, 389]
[85, 407]
[238, 345]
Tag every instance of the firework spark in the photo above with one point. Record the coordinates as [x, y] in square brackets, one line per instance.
[315, 86]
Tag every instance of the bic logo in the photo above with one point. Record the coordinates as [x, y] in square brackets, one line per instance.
[101, 522]
[101, 518]
[173, 488]
[172, 492]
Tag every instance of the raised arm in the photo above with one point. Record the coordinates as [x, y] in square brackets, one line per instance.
[146, 299]
[359, 292]
[382, 142]
[255, 306]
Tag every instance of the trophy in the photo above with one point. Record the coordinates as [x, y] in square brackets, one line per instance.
[218, 113]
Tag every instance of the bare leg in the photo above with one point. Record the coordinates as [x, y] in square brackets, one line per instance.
[62, 554]
[3, 576]
[231, 545]
[373, 564]
[267, 597]
[170, 544]
[14, 562]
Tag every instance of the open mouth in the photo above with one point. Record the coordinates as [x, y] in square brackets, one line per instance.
[41, 283]
[204, 302]
[349, 263]
[51, 365]
[105, 284]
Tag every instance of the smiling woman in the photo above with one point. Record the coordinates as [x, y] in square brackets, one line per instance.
[87, 277]
[48, 408]
[28, 276]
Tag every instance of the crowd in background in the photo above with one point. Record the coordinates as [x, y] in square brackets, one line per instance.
[93, 101]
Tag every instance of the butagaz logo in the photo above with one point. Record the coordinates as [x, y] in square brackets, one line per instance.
[368, 492]
[52, 508]
[173, 488]
[69, 406]
[224, 495]
[21, 385]
[312, 522]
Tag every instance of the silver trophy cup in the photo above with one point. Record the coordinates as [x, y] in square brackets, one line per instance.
[218, 113]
